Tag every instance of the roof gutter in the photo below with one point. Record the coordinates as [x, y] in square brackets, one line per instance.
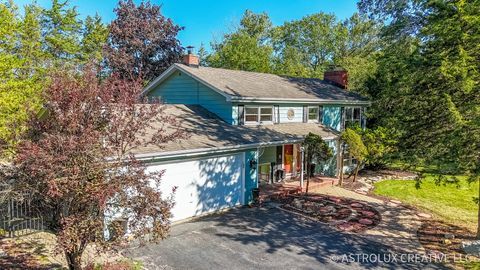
[298, 100]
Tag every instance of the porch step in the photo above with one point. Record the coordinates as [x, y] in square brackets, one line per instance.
[279, 190]
[277, 193]
[325, 183]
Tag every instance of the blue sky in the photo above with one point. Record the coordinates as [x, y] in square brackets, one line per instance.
[205, 20]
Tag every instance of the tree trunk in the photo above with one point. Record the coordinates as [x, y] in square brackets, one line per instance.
[308, 182]
[478, 213]
[74, 260]
[356, 172]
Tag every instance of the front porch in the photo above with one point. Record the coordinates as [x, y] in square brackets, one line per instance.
[280, 171]
[292, 186]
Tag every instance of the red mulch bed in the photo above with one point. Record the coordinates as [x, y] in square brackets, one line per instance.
[344, 214]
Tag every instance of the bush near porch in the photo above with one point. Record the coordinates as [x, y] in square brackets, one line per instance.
[452, 204]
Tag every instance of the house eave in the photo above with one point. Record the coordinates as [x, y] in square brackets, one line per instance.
[189, 153]
[238, 99]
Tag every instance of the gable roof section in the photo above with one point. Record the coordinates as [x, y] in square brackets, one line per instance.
[245, 86]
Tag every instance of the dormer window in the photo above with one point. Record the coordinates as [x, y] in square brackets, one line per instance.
[258, 115]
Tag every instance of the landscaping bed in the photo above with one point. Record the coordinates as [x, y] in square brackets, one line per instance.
[440, 238]
[341, 213]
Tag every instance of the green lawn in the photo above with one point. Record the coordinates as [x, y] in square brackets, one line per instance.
[447, 202]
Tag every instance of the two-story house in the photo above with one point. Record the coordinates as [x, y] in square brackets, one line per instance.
[244, 127]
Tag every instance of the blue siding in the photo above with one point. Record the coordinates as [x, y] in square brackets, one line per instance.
[250, 175]
[180, 88]
[332, 116]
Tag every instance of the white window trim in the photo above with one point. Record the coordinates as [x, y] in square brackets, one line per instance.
[259, 121]
[308, 114]
[352, 119]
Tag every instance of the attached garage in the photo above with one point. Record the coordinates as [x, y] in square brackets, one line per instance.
[204, 185]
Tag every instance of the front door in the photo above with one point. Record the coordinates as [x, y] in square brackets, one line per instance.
[299, 159]
[288, 158]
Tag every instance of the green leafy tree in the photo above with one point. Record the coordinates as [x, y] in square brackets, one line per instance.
[311, 41]
[9, 62]
[358, 50]
[429, 80]
[380, 143]
[246, 48]
[356, 148]
[316, 150]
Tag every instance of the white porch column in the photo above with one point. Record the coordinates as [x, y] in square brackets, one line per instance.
[302, 151]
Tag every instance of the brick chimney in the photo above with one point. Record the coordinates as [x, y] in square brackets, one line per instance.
[338, 77]
[190, 59]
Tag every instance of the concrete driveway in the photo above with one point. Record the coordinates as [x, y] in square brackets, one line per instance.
[265, 238]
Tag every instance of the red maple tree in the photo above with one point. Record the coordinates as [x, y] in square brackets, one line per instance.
[76, 161]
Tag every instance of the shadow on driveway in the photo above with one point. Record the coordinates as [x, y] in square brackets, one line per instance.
[263, 238]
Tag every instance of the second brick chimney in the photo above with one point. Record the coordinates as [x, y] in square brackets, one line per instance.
[339, 77]
[190, 59]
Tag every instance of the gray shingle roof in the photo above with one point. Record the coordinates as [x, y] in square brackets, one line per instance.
[205, 130]
[237, 83]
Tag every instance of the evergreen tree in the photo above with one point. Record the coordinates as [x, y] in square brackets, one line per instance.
[94, 38]
[61, 32]
[30, 47]
[11, 98]
[427, 86]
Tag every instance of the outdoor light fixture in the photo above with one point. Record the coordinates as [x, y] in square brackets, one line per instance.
[253, 163]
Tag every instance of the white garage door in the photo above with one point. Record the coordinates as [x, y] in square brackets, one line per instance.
[204, 185]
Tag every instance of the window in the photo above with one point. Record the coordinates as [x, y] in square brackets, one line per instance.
[312, 114]
[353, 116]
[257, 115]
[251, 114]
[266, 114]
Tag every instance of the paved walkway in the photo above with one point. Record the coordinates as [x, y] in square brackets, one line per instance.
[399, 224]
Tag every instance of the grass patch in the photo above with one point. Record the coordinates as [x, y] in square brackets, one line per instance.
[448, 202]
